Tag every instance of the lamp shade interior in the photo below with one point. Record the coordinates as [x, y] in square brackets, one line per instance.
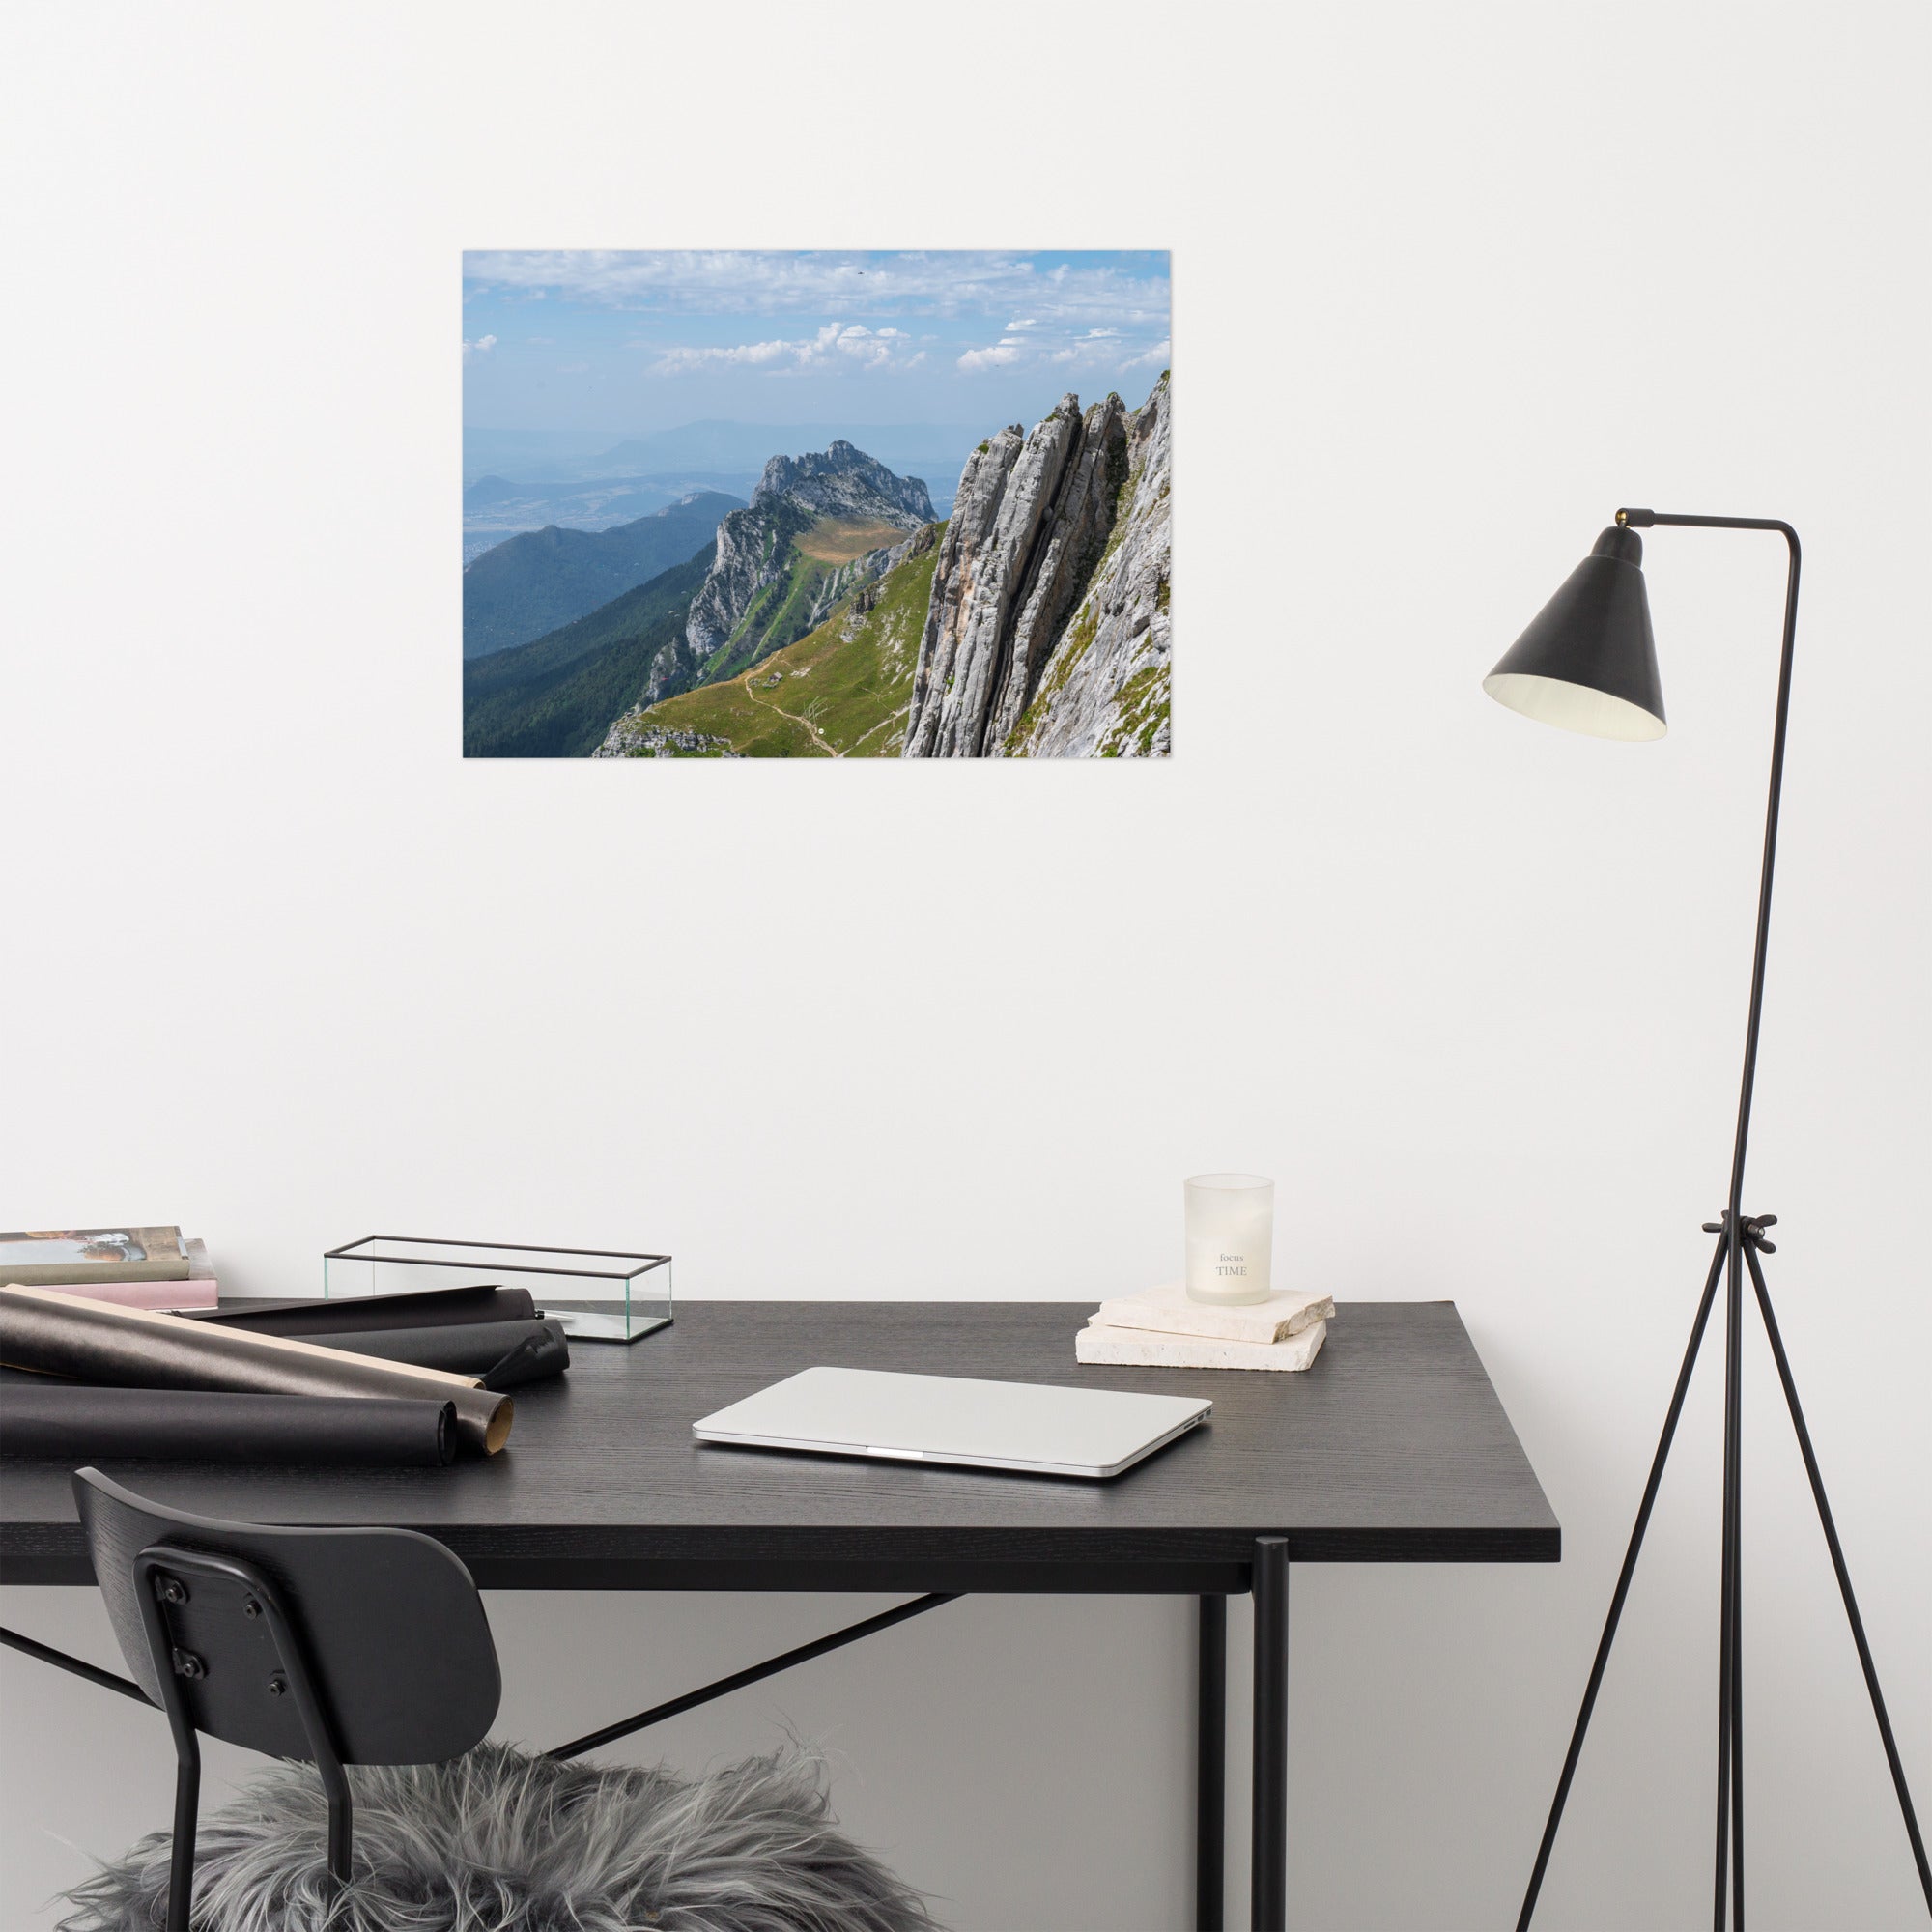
[1588, 661]
[1573, 707]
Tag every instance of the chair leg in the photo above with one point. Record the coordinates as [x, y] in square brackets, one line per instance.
[341, 1824]
[181, 1863]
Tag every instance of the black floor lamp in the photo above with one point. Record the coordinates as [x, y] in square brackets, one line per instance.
[1588, 663]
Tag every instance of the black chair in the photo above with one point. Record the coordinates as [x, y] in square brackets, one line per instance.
[329, 1647]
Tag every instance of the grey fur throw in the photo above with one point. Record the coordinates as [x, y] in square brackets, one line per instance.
[496, 1841]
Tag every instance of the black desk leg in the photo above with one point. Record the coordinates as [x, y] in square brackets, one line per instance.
[1270, 1894]
[1211, 1766]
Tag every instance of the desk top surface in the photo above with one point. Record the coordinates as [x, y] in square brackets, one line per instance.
[1392, 1447]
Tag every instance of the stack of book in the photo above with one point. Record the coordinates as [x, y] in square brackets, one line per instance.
[131, 1267]
[1162, 1328]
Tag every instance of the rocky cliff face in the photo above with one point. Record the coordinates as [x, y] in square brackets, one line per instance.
[1047, 634]
[764, 591]
[674, 669]
[1106, 690]
[630, 738]
[754, 552]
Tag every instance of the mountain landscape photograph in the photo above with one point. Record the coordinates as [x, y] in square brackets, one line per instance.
[812, 504]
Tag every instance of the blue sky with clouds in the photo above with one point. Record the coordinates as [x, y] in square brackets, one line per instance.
[631, 342]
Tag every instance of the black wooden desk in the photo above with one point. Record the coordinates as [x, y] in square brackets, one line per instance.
[1392, 1447]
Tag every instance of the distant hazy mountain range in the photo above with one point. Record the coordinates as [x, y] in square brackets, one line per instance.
[529, 585]
[496, 508]
[586, 481]
[570, 455]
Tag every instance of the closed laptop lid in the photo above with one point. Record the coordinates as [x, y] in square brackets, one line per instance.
[954, 1419]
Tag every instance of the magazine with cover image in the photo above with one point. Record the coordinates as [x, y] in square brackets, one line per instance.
[55, 1255]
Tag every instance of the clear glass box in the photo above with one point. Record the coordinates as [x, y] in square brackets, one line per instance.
[598, 1296]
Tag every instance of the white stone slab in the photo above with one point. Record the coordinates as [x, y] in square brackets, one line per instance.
[1167, 1309]
[1141, 1347]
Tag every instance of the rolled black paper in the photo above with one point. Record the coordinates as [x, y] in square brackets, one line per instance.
[465, 1348]
[72, 1424]
[363, 1313]
[524, 1363]
[139, 1347]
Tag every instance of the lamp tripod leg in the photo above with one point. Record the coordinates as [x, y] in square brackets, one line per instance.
[1736, 1452]
[1843, 1575]
[1730, 1859]
[1622, 1590]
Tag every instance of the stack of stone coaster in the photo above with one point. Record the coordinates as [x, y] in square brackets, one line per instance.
[1162, 1328]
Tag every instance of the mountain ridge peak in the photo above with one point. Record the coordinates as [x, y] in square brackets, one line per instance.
[838, 480]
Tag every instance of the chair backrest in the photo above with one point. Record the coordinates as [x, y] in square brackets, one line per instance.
[392, 1633]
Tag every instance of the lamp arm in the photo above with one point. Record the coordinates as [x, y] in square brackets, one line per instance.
[1643, 519]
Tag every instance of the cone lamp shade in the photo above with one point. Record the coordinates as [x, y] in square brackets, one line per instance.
[1588, 661]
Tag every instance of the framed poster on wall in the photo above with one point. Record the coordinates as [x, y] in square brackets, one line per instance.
[816, 505]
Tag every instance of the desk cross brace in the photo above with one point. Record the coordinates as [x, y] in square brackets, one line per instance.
[106, 1680]
[61, 1661]
[738, 1679]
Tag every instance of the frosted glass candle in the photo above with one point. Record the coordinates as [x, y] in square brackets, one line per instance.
[1230, 1237]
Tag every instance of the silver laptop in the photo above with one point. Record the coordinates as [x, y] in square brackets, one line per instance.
[1044, 1432]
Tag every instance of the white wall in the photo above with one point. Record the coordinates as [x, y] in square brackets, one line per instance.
[1450, 285]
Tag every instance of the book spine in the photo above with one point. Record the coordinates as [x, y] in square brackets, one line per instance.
[165, 1258]
[70, 1274]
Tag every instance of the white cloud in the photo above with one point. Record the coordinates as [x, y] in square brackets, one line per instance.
[482, 346]
[1109, 350]
[682, 361]
[1097, 346]
[1008, 349]
[835, 345]
[870, 350]
[945, 282]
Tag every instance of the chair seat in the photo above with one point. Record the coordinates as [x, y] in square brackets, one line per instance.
[498, 1841]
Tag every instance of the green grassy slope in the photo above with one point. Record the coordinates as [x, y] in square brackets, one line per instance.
[729, 715]
[828, 694]
[556, 696]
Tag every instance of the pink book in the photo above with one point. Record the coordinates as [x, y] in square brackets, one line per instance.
[162, 1294]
